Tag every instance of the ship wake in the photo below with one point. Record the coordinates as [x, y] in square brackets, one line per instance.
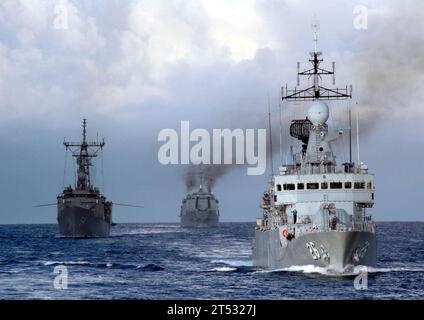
[346, 272]
[232, 265]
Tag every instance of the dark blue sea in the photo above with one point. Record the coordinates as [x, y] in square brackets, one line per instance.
[164, 261]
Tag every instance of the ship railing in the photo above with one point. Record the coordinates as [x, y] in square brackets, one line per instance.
[291, 169]
[365, 224]
[342, 228]
[262, 224]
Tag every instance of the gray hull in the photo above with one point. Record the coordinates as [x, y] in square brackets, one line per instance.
[199, 219]
[334, 250]
[77, 222]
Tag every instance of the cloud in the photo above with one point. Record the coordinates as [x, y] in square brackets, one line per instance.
[91, 66]
[44, 70]
[136, 67]
[388, 63]
[134, 61]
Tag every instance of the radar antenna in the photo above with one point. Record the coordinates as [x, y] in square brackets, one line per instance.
[83, 152]
[316, 91]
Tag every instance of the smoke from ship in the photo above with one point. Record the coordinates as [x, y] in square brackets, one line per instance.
[206, 175]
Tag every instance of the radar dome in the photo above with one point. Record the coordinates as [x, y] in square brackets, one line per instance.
[318, 113]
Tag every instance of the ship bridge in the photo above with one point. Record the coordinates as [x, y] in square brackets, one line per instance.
[337, 187]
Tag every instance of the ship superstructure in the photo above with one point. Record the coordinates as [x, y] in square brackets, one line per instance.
[314, 211]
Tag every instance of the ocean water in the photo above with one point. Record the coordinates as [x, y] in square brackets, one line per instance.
[164, 261]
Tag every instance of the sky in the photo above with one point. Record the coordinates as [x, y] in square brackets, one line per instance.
[133, 68]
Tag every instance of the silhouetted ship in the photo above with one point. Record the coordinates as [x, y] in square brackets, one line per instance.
[82, 211]
[200, 209]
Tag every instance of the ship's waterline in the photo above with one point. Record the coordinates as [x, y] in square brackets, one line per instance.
[338, 251]
[80, 222]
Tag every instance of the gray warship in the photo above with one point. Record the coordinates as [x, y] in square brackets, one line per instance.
[200, 209]
[314, 210]
[82, 211]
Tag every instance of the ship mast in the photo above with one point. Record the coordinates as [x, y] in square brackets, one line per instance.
[302, 128]
[201, 180]
[316, 91]
[83, 152]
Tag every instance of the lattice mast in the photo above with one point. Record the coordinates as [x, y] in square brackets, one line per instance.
[83, 152]
[317, 90]
[300, 128]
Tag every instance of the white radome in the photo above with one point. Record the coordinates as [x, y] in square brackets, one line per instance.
[318, 113]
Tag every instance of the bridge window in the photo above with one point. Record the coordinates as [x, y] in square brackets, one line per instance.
[300, 186]
[359, 185]
[312, 186]
[289, 186]
[278, 187]
[370, 185]
[336, 185]
[348, 185]
[324, 185]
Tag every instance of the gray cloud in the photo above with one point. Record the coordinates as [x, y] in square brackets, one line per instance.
[389, 63]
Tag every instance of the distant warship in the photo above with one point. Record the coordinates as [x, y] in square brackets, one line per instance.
[314, 211]
[82, 211]
[200, 209]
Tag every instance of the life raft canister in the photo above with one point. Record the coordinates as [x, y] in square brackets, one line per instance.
[284, 233]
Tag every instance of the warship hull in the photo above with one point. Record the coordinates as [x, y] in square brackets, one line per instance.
[199, 219]
[337, 251]
[78, 222]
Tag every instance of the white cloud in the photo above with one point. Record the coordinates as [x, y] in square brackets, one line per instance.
[101, 67]
[237, 27]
